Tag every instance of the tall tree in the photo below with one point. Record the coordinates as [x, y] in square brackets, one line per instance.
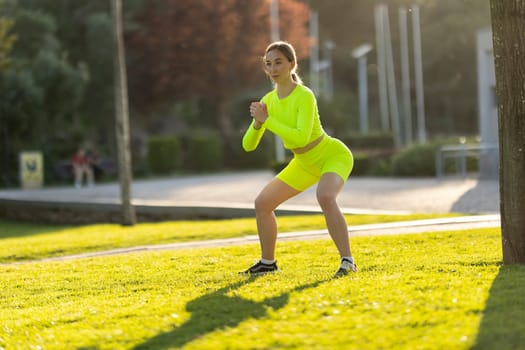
[79, 30]
[122, 117]
[205, 48]
[508, 28]
[40, 91]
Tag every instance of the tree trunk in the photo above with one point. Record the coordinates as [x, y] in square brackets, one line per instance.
[508, 28]
[122, 118]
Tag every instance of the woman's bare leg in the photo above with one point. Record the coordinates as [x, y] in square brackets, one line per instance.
[275, 193]
[327, 190]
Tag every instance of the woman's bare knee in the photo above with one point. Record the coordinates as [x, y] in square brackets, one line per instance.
[275, 193]
[326, 199]
[263, 204]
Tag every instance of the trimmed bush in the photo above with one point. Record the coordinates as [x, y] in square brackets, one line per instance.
[277, 167]
[381, 167]
[376, 140]
[338, 114]
[372, 153]
[261, 158]
[416, 160]
[205, 151]
[164, 154]
[369, 164]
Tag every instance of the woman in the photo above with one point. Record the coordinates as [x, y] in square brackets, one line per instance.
[290, 111]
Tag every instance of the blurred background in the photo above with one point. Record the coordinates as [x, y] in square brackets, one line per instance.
[396, 81]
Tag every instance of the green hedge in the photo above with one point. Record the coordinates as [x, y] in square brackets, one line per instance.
[205, 151]
[420, 160]
[416, 160]
[370, 164]
[261, 158]
[375, 140]
[164, 154]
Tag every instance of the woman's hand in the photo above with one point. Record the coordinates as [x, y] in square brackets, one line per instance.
[258, 112]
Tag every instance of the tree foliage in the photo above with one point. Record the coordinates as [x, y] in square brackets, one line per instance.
[186, 48]
[197, 62]
[41, 91]
[6, 42]
[36, 32]
[63, 88]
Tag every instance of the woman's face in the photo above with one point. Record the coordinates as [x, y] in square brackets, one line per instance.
[277, 66]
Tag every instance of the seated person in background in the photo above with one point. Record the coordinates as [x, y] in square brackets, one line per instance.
[81, 165]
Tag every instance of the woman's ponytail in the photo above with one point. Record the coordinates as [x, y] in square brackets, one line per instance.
[297, 78]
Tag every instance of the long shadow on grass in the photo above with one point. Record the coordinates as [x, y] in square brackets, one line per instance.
[503, 323]
[15, 229]
[219, 310]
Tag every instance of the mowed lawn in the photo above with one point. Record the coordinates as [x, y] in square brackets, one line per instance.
[420, 291]
[26, 241]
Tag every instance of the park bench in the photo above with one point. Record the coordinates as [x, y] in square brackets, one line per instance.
[460, 153]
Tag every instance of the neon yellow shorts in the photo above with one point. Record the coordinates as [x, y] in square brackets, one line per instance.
[306, 169]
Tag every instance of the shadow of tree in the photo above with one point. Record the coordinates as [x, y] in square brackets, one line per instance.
[482, 198]
[207, 314]
[503, 323]
[16, 229]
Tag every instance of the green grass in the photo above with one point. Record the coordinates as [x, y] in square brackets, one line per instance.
[21, 242]
[420, 291]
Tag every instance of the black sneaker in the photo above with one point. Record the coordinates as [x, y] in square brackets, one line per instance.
[346, 267]
[260, 268]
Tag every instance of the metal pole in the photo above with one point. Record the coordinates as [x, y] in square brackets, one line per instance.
[314, 52]
[381, 67]
[418, 73]
[363, 95]
[392, 92]
[405, 75]
[274, 20]
[329, 83]
[360, 54]
[275, 35]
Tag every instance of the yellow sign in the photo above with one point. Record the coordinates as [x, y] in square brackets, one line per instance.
[31, 169]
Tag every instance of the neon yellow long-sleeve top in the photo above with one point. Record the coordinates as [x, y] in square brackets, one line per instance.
[294, 118]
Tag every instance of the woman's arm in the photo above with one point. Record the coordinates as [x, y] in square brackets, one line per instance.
[252, 136]
[298, 135]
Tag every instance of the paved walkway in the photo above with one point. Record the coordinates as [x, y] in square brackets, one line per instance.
[360, 194]
[237, 190]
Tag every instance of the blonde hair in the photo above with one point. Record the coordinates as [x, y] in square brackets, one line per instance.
[289, 52]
